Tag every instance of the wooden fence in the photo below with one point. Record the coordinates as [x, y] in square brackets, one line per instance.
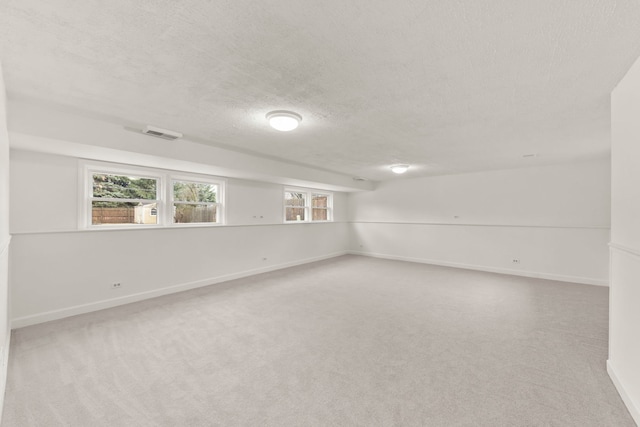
[295, 209]
[146, 215]
[190, 214]
[113, 215]
[185, 214]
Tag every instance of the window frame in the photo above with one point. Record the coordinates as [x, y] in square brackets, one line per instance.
[328, 208]
[164, 194]
[308, 206]
[197, 179]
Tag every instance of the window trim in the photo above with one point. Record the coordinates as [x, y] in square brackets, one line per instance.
[164, 194]
[308, 208]
[197, 179]
[328, 208]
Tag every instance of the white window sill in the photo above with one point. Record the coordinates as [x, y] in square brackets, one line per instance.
[146, 227]
[306, 222]
[154, 227]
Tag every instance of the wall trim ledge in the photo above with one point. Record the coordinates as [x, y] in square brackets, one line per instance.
[463, 224]
[634, 409]
[181, 227]
[47, 316]
[489, 269]
[621, 248]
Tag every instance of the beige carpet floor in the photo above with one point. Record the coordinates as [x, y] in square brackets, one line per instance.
[352, 341]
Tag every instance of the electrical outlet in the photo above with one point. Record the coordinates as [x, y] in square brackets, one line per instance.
[116, 285]
[515, 261]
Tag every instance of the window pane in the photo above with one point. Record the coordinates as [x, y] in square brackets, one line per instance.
[294, 199]
[319, 214]
[186, 213]
[295, 214]
[123, 213]
[124, 187]
[319, 200]
[194, 192]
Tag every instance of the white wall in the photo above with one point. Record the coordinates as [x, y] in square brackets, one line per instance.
[554, 219]
[54, 129]
[624, 312]
[59, 271]
[5, 238]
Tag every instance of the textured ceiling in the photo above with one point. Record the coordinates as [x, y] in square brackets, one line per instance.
[448, 86]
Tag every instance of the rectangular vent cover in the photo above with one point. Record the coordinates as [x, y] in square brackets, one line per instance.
[162, 133]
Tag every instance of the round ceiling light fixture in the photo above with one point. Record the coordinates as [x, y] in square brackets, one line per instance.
[399, 168]
[284, 121]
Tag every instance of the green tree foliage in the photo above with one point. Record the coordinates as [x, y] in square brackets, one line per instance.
[193, 192]
[123, 187]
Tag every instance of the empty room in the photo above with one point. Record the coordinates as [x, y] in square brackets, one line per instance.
[243, 213]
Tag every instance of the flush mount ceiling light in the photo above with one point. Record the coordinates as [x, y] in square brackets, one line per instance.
[284, 121]
[399, 168]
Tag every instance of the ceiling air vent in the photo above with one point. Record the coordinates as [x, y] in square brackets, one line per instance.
[161, 133]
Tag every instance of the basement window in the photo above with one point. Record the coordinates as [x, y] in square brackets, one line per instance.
[123, 199]
[320, 207]
[195, 202]
[120, 196]
[295, 203]
[307, 205]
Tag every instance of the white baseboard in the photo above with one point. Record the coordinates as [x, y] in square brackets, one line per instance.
[33, 319]
[534, 274]
[634, 409]
[4, 359]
